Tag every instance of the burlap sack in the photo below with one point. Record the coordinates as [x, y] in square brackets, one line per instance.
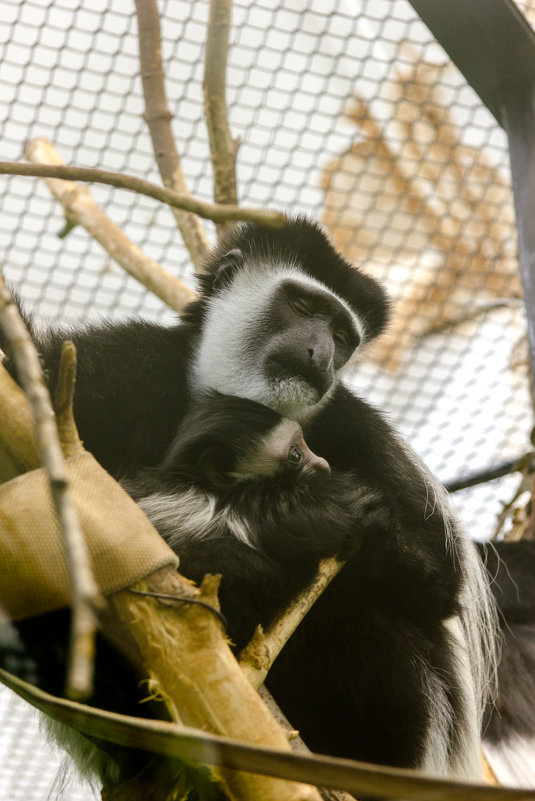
[123, 544]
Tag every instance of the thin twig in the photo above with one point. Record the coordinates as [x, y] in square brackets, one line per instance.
[158, 119]
[80, 207]
[222, 147]
[524, 485]
[258, 656]
[84, 589]
[210, 211]
[63, 401]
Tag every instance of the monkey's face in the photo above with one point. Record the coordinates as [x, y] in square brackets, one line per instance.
[312, 336]
[274, 335]
[281, 452]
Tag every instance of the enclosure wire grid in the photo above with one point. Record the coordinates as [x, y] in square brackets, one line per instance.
[346, 110]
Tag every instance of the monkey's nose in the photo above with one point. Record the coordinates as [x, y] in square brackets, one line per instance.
[321, 464]
[315, 464]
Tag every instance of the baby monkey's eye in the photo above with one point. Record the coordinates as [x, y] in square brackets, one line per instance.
[295, 456]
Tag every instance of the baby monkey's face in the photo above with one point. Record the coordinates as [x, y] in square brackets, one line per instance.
[282, 450]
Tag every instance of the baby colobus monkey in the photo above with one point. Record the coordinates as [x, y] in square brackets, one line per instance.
[240, 483]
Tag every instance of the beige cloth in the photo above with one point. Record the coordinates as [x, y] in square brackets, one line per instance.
[123, 544]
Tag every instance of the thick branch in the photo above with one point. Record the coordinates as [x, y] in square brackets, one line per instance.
[84, 588]
[81, 208]
[158, 119]
[210, 211]
[187, 654]
[222, 147]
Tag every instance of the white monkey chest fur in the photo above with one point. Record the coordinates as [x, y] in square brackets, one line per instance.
[192, 515]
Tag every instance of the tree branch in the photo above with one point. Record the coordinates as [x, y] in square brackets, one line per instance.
[258, 656]
[158, 119]
[63, 402]
[81, 208]
[222, 147]
[85, 593]
[217, 212]
[188, 656]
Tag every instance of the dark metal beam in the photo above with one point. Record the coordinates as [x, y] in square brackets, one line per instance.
[491, 43]
[519, 122]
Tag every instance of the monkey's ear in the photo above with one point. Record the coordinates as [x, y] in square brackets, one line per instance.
[215, 466]
[227, 267]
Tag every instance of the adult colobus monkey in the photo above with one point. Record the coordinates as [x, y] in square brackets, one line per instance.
[393, 663]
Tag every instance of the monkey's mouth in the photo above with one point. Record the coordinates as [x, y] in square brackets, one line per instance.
[294, 374]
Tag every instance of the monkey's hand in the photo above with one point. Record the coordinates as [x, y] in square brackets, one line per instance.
[370, 515]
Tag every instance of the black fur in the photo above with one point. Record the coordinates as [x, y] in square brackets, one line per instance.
[390, 598]
[358, 678]
[292, 518]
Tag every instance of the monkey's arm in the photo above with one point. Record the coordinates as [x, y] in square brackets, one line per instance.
[414, 564]
[314, 518]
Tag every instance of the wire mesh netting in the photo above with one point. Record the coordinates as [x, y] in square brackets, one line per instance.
[346, 110]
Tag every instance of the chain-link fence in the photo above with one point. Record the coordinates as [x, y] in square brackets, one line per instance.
[347, 110]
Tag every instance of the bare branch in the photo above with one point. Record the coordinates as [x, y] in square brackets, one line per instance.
[63, 402]
[222, 147]
[84, 589]
[80, 207]
[211, 211]
[190, 660]
[158, 119]
[258, 656]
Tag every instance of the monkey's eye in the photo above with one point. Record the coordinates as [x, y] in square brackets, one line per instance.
[340, 337]
[300, 306]
[295, 456]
